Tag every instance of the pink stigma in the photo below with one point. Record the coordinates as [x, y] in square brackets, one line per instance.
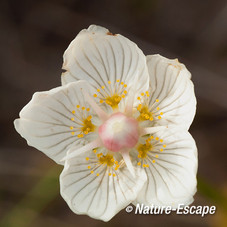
[119, 132]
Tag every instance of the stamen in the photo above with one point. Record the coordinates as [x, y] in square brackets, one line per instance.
[127, 159]
[74, 151]
[102, 115]
[150, 130]
[130, 101]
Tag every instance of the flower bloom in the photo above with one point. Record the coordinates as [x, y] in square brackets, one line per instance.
[119, 125]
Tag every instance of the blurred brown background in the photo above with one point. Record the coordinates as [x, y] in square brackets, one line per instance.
[33, 37]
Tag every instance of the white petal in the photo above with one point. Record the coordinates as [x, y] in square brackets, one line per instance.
[170, 83]
[98, 56]
[171, 180]
[46, 120]
[100, 197]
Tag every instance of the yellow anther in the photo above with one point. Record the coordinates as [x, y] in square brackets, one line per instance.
[116, 162]
[99, 155]
[98, 90]
[138, 98]
[116, 168]
[142, 94]
[80, 135]
[109, 82]
[157, 138]
[85, 132]
[159, 117]
[152, 137]
[73, 112]
[78, 106]
[94, 151]
[125, 85]
[112, 160]
[92, 172]
[122, 83]
[161, 150]
[89, 118]
[72, 119]
[156, 100]
[157, 108]
[89, 167]
[147, 165]
[161, 140]
[125, 92]
[103, 87]
[72, 133]
[87, 158]
[147, 93]
[139, 156]
[123, 96]
[151, 119]
[139, 107]
[97, 174]
[88, 109]
[114, 175]
[144, 165]
[101, 101]
[109, 174]
[164, 145]
[156, 156]
[139, 163]
[118, 81]
[71, 127]
[147, 116]
[83, 108]
[153, 161]
[161, 113]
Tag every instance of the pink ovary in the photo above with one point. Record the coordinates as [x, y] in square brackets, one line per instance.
[119, 132]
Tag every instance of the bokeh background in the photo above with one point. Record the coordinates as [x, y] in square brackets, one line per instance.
[33, 37]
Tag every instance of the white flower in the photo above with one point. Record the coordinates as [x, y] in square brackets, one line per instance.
[118, 125]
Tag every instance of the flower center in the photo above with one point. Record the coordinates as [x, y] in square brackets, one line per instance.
[119, 132]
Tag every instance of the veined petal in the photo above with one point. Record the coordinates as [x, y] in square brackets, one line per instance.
[97, 185]
[109, 62]
[169, 159]
[55, 120]
[171, 93]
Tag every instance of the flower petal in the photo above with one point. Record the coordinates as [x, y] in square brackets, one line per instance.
[96, 190]
[99, 57]
[52, 120]
[171, 175]
[171, 86]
